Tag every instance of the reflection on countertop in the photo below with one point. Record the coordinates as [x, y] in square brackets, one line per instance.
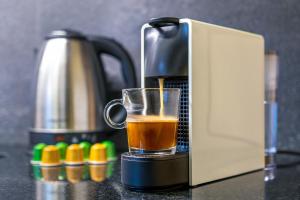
[76, 182]
[19, 180]
[73, 174]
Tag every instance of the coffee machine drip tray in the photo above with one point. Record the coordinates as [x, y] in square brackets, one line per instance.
[154, 173]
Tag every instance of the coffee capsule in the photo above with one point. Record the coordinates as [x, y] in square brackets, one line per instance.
[86, 149]
[74, 173]
[98, 154]
[51, 173]
[62, 147]
[110, 150]
[50, 156]
[62, 174]
[74, 155]
[37, 153]
[98, 172]
[110, 169]
[37, 173]
[86, 172]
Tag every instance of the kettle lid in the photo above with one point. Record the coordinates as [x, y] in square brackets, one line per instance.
[65, 33]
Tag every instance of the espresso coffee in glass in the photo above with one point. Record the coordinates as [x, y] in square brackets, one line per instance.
[152, 119]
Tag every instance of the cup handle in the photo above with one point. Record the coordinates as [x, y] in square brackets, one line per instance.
[107, 118]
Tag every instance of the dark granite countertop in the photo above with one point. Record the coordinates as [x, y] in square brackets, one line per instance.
[17, 182]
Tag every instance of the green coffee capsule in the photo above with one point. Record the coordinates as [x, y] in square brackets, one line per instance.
[37, 153]
[86, 146]
[110, 150]
[62, 147]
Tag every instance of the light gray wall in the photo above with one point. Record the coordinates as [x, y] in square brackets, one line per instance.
[24, 23]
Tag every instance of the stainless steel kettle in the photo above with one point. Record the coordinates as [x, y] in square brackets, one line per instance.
[71, 87]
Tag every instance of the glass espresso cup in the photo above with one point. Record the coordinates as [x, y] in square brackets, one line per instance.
[152, 119]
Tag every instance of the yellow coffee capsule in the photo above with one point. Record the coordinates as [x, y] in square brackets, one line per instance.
[74, 173]
[74, 155]
[50, 156]
[98, 172]
[98, 154]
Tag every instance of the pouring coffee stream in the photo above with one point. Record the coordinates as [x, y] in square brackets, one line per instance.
[161, 95]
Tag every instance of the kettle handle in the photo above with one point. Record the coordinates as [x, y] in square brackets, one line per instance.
[115, 49]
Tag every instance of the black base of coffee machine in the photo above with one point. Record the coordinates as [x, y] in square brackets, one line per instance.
[70, 138]
[154, 173]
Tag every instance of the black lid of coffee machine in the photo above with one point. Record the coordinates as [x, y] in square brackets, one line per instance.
[166, 48]
[154, 173]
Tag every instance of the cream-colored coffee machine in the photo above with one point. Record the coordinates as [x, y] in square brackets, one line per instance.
[220, 72]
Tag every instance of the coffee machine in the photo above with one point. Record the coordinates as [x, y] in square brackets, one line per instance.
[220, 72]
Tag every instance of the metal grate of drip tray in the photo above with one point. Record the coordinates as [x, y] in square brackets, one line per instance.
[183, 126]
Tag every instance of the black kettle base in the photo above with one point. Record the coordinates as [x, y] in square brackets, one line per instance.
[68, 137]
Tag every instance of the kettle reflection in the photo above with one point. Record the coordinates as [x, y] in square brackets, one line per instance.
[51, 190]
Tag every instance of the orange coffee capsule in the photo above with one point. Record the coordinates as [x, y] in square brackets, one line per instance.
[98, 154]
[74, 155]
[50, 156]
